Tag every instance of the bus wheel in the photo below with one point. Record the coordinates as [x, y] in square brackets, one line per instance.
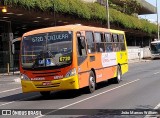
[92, 82]
[45, 93]
[119, 75]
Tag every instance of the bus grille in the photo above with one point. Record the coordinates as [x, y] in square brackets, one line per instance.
[48, 86]
[45, 74]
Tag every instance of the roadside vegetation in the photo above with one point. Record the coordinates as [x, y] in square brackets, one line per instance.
[90, 11]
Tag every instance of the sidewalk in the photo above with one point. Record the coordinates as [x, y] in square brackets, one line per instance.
[138, 60]
[5, 77]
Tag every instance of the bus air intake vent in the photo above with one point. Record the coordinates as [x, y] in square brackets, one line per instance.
[48, 86]
[45, 74]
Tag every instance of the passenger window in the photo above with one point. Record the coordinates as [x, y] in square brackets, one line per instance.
[98, 40]
[90, 42]
[122, 43]
[108, 44]
[116, 45]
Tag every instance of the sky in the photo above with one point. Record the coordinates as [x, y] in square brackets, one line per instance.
[152, 17]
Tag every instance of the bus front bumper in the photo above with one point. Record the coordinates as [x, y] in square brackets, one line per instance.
[61, 84]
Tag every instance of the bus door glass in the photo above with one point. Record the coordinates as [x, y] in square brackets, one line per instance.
[81, 50]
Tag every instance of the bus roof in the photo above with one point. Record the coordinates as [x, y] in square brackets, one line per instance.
[77, 27]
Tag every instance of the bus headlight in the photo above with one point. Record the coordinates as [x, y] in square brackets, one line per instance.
[71, 73]
[24, 77]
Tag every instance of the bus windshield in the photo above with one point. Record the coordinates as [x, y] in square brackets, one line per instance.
[155, 47]
[47, 49]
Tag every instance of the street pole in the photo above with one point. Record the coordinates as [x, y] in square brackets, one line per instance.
[107, 11]
[157, 19]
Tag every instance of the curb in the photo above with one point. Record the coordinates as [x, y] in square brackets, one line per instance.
[137, 61]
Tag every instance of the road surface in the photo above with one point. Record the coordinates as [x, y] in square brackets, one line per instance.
[138, 90]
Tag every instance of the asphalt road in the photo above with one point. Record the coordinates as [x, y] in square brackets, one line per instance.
[138, 90]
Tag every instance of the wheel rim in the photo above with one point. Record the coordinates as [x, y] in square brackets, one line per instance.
[118, 75]
[92, 83]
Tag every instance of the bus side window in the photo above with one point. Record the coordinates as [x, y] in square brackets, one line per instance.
[116, 43]
[98, 41]
[108, 40]
[90, 42]
[122, 43]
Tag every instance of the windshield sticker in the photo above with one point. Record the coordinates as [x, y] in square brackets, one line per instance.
[64, 58]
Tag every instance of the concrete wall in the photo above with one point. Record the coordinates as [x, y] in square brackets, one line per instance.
[138, 53]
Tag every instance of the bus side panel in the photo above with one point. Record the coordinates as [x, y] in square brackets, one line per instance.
[83, 79]
[122, 59]
[124, 68]
[108, 73]
[83, 73]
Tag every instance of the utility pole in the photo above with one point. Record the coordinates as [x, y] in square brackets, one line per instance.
[157, 19]
[107, 11]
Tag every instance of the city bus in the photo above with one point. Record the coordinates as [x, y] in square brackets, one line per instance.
[71, 57]
[155, 49]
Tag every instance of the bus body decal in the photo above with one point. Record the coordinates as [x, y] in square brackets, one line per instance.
[108, 59]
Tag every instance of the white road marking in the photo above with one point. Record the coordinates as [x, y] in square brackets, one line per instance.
[158, 106]
[151, 116]
[18, 100]
[10, 90]
[156, 73]
[88, 98]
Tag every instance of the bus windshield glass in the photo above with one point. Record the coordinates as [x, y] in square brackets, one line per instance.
[155, 47]
[47, 49]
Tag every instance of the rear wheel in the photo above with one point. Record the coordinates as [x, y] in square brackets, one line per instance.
[45, 93]
[92, 83]
[118, 78]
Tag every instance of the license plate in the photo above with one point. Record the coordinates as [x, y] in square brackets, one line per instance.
[46, 83]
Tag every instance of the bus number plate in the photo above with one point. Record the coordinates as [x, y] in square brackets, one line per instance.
[64, 58]
[46, 83]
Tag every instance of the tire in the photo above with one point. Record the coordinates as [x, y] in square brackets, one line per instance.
[118, 78]
[45, 93]
[92, 82]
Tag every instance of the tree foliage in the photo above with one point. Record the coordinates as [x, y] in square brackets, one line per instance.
[126, 6]
[88, 11]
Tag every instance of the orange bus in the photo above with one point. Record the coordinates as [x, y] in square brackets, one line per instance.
[71, 57]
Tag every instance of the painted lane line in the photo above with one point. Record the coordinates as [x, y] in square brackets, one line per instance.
[88, 98]
[18, 100]
[156, 73]
[158, 106]
[10, 90]
[151, 116]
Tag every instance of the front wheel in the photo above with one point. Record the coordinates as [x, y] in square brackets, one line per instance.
[92, 82]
